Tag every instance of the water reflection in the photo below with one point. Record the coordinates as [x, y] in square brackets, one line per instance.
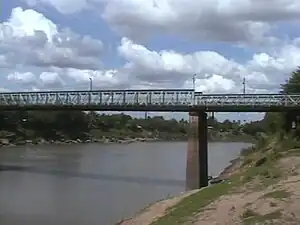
[97, 176]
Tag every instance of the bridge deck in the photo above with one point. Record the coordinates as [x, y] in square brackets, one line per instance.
[175, 100]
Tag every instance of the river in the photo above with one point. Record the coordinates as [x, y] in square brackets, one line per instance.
[94, 184]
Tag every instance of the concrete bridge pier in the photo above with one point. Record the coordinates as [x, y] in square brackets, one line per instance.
[197, 153]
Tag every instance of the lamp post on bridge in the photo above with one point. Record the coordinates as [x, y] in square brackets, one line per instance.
[194, 81]
[91, 84]
[194, 86]
[90, 113]
[244, 86]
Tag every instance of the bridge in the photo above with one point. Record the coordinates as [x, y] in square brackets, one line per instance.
[171, 100]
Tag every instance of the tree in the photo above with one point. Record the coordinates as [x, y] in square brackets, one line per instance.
[274, 122]
[292, 85]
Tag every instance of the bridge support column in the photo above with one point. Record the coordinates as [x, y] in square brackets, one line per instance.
[197, 154]
[203, 149]
[291, 121]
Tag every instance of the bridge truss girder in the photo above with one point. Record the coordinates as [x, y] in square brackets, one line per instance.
[148, 100]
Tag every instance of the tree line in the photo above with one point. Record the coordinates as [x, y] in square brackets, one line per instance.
[71, 125]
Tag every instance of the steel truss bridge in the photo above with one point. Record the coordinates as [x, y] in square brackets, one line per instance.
[172, 100]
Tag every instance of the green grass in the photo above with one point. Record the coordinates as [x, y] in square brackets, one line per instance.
[267, 173]
[294, 152]
[193, 204]
[261, 173]
[249, 213]
[280, 194]
[253, 218]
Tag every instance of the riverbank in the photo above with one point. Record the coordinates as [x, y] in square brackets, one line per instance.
[6, 142]
[260, 187]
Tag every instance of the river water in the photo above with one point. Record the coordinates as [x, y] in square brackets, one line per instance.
[94, 184]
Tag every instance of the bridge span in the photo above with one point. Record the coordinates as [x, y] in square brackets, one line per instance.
[172, 100]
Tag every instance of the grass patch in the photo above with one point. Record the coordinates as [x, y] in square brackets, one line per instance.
[193, 204]
[280, 194]
[248, 213]
[294, 152]
[196, 203]
[265, 175]
[256, 218]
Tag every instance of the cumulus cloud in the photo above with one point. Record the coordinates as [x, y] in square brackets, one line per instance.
[101, 79]
[64, 58]
[145, 68]
[43, 80]
[63, 6]
[28, 37]
[214, 72]
[26, 78]
[235, 21]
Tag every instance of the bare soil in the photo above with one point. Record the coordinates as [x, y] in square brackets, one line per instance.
[281, 200]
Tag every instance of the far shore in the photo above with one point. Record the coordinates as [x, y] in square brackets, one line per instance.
[4, 142]
[7, 143]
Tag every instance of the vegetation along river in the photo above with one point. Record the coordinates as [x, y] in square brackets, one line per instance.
[94, 183]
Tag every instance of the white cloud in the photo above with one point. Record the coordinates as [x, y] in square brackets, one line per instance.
[104, 79]
[63, 6]
[233, 21]
[146, 68]
[43, 80]
[51, 79]
[215, 73]
[236, 21]
[28, 37]
[215, 83]
[26, 78]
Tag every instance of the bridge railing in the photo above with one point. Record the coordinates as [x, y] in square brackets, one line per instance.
[174, 97]
[114, 97]
[248, 100]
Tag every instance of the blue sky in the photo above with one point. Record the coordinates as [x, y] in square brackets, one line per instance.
[56, 45]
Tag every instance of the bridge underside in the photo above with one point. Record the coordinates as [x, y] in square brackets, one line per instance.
[151, 108]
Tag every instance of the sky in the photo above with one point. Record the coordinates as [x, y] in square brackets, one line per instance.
[123, 44]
